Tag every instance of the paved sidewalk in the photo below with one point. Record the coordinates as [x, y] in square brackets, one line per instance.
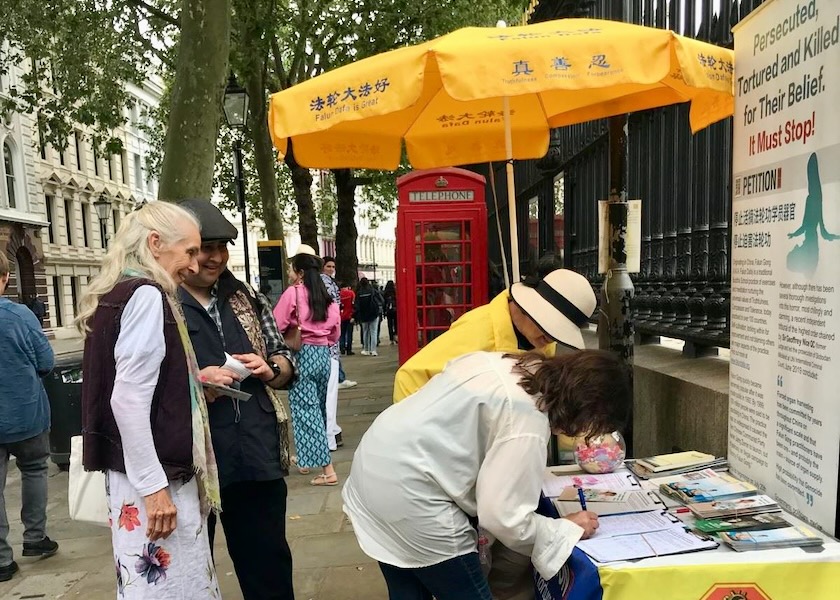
[328, 561]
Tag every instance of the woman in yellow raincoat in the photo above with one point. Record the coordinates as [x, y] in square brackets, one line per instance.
[532, 315]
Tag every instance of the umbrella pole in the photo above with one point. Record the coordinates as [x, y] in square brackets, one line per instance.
[511, 190]
[615, 318]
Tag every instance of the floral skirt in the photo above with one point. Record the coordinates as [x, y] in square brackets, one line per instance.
[177, 568]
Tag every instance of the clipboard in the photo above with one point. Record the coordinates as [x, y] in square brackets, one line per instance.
[635, 502]
[227, 391]
[665, 542]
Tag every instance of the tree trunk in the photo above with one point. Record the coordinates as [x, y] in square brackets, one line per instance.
[347, 261]
[264, 158]
[302, 181]
[189, 154]
[251, 55]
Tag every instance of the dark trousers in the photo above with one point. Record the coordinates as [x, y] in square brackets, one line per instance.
[458, 578]
[345, 341]
[254, 519]
[392, 326]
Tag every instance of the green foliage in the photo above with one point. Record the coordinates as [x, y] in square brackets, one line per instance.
[77, 56]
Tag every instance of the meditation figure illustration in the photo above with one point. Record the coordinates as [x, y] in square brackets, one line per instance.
[805, 257]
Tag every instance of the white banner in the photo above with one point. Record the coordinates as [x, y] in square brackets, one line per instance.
[784, 394]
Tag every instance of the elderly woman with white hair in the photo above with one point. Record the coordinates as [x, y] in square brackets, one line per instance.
[144, 415]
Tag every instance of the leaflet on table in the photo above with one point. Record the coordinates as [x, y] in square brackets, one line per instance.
[673, 540]
[721, 487]
[748, 523]
[774, 538]
[633, 502]
[677, 460]
[635, 467]
[555, 481]
[738, 507]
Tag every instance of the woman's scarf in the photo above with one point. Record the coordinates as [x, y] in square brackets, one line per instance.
[244, 311]
[204, 459]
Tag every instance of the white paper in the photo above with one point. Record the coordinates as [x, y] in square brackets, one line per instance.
[555, 481]
[632, 239]
[674, 540]
[635, 523]
[231, 364]
[635, 502]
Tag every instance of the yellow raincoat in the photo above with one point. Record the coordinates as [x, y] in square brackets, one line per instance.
[488, 328]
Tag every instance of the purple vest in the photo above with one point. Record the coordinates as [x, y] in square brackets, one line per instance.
[171, 418]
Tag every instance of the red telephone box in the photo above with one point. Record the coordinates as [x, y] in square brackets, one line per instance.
[441, 253]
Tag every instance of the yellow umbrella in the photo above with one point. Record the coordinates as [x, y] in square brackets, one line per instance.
[489, 94]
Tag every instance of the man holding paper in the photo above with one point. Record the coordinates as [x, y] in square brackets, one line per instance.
[237, 345]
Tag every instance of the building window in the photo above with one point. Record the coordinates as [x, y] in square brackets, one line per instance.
[138, 172]
[85, 219]
[75, 292]
[58, 320]
[95, 161]
[42, 144]
[124, 167]
[111, 167]
[61, 157]
[9, 172]
[77, 137]
[68, 220]
[48, 200]
[115, 218]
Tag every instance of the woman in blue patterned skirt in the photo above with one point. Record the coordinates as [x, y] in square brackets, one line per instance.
[307, 304]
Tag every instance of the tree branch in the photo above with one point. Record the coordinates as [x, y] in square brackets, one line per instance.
[155, 11]
[149, 47]
[278, 63]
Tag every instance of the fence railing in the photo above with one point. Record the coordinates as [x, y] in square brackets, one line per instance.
[683, 180]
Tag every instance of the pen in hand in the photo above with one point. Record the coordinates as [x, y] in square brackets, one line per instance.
[581, 498]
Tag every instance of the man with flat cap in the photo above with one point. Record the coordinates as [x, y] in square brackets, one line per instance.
[232, 328]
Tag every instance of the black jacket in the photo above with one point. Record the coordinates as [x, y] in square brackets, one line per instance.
[246, 434]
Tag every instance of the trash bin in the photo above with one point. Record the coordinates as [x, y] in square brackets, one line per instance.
[64, 389]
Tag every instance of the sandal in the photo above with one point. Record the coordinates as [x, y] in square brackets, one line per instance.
[324, 479]
[301, 470]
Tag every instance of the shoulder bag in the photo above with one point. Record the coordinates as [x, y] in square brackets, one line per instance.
[292, 335]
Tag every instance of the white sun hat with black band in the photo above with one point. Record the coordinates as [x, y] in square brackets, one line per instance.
[560, 304]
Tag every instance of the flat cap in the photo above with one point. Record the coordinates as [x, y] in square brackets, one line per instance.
[214, 225]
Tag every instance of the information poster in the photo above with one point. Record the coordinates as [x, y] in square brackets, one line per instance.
[784, 397]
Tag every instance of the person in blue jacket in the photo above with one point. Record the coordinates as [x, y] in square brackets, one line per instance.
[24, 423]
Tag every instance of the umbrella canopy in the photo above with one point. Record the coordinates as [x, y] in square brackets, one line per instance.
[487, 94]
[445, 98]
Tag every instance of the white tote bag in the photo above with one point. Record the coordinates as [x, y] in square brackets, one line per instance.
[86, 495]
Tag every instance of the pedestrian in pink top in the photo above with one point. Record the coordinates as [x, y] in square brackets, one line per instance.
[307, 304]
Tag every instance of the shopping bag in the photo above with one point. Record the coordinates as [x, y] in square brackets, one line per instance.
[87, 500]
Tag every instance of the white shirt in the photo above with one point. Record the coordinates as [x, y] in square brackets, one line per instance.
[139, 352]
[469, 443]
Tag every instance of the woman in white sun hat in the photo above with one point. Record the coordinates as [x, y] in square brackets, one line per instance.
[531, 315]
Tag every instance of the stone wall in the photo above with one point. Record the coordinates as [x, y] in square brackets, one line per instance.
[680, 403]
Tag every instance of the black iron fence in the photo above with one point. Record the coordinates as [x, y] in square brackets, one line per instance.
[683, 180]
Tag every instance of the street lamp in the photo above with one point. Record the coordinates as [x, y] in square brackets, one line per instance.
[103, 211]
[236, 114]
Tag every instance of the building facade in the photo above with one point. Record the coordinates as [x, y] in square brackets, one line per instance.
[69, 183]
[21, 207]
